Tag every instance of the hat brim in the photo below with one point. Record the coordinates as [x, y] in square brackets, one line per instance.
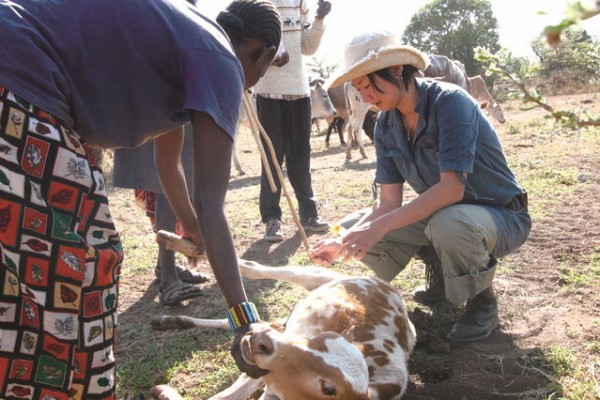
[384, 58]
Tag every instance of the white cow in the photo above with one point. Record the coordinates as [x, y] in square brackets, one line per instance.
[357, 111]
[447, 70]
[353, 113]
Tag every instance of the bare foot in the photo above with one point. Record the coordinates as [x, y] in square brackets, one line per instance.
[164, 392]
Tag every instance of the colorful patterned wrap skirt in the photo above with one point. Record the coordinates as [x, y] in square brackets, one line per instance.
[60, 261]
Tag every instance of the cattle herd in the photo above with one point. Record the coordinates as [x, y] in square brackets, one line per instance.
[353, 115]
[348, 116]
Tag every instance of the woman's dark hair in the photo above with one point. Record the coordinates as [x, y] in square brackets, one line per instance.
[408, 73]
[252, 18]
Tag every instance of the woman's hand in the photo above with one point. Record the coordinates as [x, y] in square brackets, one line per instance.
[360, 239]
[325, 251]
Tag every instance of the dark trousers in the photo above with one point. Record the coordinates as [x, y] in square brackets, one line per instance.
[288, 125]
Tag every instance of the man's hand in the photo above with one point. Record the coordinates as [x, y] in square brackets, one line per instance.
[252, 370]
[323, 9]
[196, 238]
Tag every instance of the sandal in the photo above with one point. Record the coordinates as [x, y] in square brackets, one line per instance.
[185, 275]
[176, 294]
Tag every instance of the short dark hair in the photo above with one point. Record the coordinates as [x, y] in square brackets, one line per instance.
[408, 72]
[251, 18]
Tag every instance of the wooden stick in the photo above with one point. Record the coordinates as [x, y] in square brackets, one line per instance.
[255, 132]
[252, 117]
[174, 242]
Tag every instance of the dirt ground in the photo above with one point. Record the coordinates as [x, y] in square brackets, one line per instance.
[536, 310]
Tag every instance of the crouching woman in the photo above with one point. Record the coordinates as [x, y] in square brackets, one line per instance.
[434, 137]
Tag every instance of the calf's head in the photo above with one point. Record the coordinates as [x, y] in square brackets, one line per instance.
[326, 366]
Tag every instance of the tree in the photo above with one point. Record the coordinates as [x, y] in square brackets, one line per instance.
[320, 68]
[575, 59]
[454, 28]
[500, 64]
[576, 12]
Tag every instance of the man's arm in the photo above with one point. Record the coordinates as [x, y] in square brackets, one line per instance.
[311, 38]
[167, 156]
[212, 168]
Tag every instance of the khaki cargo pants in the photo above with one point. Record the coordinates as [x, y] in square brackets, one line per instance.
[467, 239]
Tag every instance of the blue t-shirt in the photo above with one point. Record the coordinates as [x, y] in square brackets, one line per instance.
[119, 71]
[452, 135]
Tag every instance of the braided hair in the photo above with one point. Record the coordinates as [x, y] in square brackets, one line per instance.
[251, 18]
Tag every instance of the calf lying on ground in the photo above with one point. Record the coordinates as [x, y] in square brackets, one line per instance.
[350, 338]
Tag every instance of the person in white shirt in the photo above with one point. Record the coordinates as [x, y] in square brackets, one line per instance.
[284, 110]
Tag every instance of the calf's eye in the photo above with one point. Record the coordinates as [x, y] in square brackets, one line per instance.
[327, 389]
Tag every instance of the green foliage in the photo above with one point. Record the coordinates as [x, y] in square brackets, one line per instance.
[454, 28]
[580, 276]
[576, 59]
[576, 12]
[499, 64]
[319, 68]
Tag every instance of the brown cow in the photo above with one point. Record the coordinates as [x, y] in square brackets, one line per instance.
[447, 70]
[350, 339]
[453, 71]
[480, 92]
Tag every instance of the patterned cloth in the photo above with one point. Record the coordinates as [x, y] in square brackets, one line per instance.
[60, 261]
[147, 202]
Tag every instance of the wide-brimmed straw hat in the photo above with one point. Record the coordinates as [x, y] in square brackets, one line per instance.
[372, 51]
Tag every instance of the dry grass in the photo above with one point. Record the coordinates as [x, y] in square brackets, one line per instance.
[547, 346]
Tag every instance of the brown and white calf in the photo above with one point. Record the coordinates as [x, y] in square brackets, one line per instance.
[350, 339]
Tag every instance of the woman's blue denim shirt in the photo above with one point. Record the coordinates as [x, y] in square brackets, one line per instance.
[452, 135]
